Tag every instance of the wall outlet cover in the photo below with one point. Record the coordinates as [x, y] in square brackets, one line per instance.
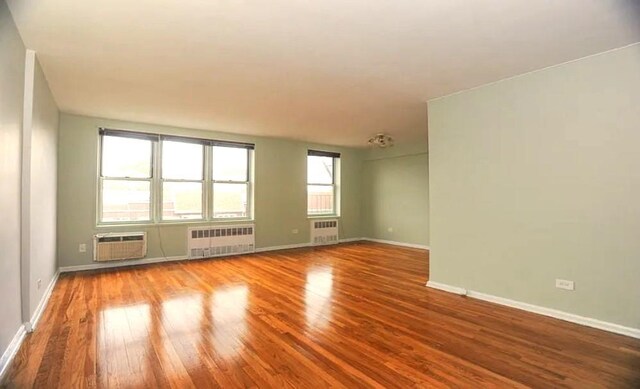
[82, 248]
[565, 284]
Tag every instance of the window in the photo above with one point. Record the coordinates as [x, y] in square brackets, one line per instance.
[182, 180]
[322, 168]
[126, 178]
[230, 176]
[149, 178]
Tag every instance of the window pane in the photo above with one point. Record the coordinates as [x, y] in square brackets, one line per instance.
[126, 200]
[229, 164]
[320, 199]
[126, 157]
[181, 200]
[319, 170]
[229, 200]
[181, 160]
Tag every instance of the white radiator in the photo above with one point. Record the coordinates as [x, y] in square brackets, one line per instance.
[119, 246]
[324, 232]
[207, 242]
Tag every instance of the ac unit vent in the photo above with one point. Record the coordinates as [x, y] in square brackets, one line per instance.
[120, 238]
[221, 232]
[207, 242]
[119, 246]
[324, 232]
[106, 239]
[326, 224]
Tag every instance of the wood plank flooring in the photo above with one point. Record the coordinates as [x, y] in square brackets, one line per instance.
[353, 315]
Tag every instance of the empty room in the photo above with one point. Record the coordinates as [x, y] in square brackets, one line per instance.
[312, 194]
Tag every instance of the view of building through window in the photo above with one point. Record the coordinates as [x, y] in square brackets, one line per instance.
[321, 188]
[192, 179]
[230, 175]
[127, 180]
[182, 180]
[126, 185]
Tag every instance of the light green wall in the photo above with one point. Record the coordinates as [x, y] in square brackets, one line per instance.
[538, 177]
[280, 190]
[12, 61]
[396, 187]
[44, 155]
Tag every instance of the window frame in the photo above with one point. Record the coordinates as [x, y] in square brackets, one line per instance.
[102, 179]
[334, 182]
[212, 183]
[162, 181]
[156, 181]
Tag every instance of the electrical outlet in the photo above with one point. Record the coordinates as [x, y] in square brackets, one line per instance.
[294, 231]
[82, 248]
[39, 283]
[390, 229]
[565, 284]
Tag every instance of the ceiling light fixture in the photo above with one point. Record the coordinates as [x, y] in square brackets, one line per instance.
[381, 140]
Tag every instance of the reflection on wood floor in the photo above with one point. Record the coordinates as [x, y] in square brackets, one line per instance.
[353, 315]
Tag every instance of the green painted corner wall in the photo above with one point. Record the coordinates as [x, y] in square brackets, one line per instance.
[279, 195]
[396, 204]
[12, 77]
[536, 178]
[42, 189]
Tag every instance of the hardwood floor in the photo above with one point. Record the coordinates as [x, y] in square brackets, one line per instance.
[354, 315]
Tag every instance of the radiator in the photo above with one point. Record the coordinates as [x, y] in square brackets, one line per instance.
[324, 232]
[207, 242]
[119, 246]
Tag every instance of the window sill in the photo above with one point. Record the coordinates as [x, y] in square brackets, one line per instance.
[323, 216]
[177, 223]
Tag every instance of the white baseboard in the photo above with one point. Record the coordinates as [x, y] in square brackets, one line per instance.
[348, 240]
[11, 351]
[31, 325]
[447, 288]
[109, 265]
[282, 247]
[145, 261]
[403, 244]
[566, 316]
[300, 245]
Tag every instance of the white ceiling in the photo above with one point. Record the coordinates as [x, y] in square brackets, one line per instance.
[330, 71]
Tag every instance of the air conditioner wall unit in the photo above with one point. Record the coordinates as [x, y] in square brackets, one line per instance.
[119, 246]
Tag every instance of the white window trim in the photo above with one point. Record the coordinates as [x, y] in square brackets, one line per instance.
[161, 181]
[248, 183]
[335, 175]
[156, 186]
